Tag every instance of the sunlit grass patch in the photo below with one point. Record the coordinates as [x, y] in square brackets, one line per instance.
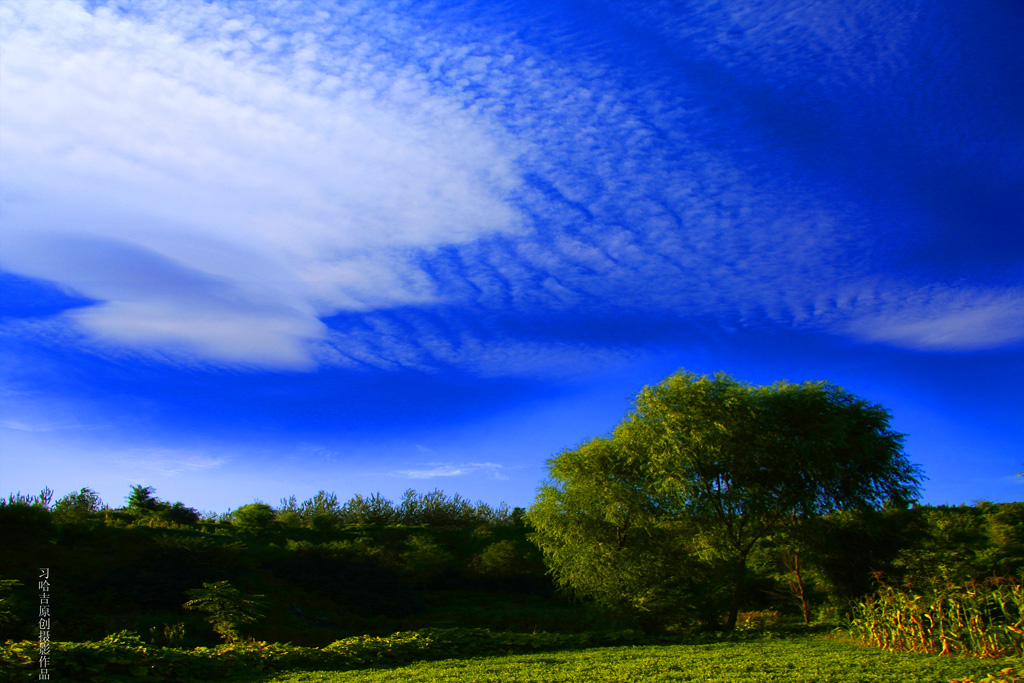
[802, 660]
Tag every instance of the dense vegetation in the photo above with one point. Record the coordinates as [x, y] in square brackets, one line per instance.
[327, 569]
[714, 508]
[323, 577]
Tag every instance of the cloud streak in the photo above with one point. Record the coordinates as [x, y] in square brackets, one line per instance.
[967, 323]
[144, 464]
[434, 470]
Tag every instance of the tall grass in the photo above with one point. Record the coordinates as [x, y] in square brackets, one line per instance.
[977, 618]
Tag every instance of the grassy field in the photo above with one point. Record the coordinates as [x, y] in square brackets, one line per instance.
[799, 659]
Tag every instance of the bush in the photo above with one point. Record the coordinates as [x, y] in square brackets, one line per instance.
[254, 517]
[502, 560]
[123, 656]
[424, 560]
[179, 513]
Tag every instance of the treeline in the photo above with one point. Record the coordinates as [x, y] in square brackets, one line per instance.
[322, 511]
[328, 569]
[324, 568]
[434, 509]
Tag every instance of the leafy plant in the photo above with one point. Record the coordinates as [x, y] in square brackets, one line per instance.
[228, 609]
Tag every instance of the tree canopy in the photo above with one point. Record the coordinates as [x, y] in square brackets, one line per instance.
[699, 474]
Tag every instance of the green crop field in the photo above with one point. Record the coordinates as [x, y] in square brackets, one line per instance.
[799, 659]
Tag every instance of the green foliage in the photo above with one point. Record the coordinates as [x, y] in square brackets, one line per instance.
[850, 549]
[144, 508]
[178, 513]
[603, 536]
[374, 509]
[435, 509]
[42, 501]
[503, 560]
[289, 518]
[7, 615]
[141, 498]
[700, 475]
[348, 573]
[172, 635]
[123, 656]
[254, 518]
[758, 620]
[229, 611]
[23, 521]
[323, 504]
[78, 506]
[132, 568]
[424, 560]
[324, 512]
[962, 543]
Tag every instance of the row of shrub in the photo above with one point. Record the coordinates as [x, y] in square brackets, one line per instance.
[124, 657]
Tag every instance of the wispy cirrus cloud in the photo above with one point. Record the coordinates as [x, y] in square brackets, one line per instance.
[143, 464]
[433, 470]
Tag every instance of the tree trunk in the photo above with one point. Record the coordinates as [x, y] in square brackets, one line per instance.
[802, 589]
[737, 594]
[795, 585]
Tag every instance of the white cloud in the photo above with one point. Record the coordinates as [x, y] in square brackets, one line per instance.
[275, 200]
[952, 320]
[23, 426]
[223, 182]
[434, 470]
[143, 464]
[429, 343]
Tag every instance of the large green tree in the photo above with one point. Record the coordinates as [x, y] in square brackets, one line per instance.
[700, 473]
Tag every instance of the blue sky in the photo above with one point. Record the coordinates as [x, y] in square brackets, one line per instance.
[256, 249]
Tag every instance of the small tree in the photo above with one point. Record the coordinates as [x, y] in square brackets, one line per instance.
[228, 609]
[141, 499]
